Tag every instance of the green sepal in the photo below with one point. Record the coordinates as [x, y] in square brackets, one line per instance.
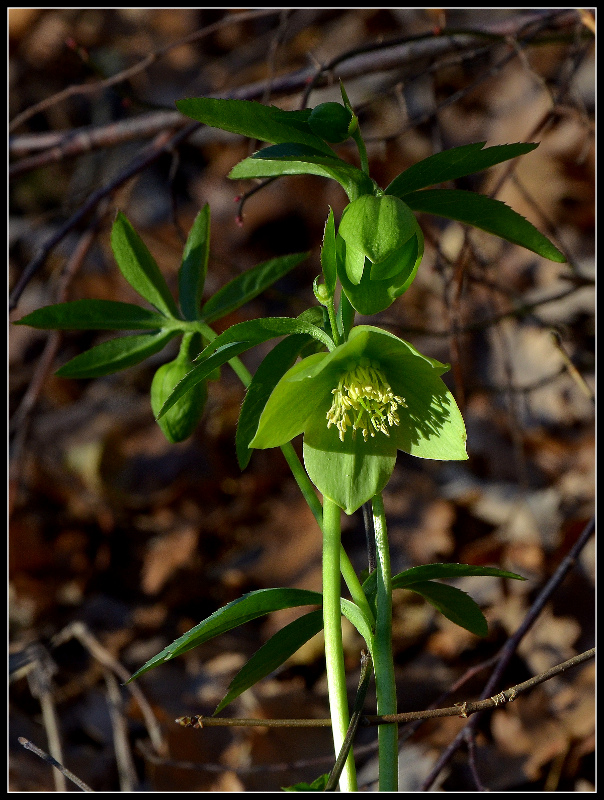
[182, 419]
[377, 227]
[268, 374]
[370, 296]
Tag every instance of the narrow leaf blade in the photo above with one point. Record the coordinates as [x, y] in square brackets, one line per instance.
[260, 165]
[485, 213]
[329, 263]
[250, 284]
[92, 315]
[246, 608]
[139, 268]
[194, 266]
[272, 654]
[266, 377]
[454, 604]
[249, 118]
[115, 355]
[455, 163]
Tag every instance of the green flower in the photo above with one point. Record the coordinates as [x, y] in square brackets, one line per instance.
[357, 406]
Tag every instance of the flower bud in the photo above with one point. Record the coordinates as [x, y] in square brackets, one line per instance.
[179, 422]
[332, 122]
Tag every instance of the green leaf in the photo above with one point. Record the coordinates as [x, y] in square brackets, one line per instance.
[318, 785]
[93, 315]
[271, 655]
[248, 607]
[116, 354]
[328, 254]
[485, 213]
[139, 268]
[292, 159]
[454, 604]
[454, 163]
[356, 616]
[248, 285]
[201, 372]
[236, 340]
[194, 265]
[427, 572]
[249, 118]
[266, 377]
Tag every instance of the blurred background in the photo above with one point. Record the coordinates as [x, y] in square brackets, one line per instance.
[113, 527]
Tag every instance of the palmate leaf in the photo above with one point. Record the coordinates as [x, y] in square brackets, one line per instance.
[295, 159]
[489, 215]
[248, 285]
[454, 163]
[249, 118]
[139, 268]
[93, 315]
[116, 354]
[246, 608]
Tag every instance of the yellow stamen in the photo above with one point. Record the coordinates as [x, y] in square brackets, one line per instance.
[364, 400]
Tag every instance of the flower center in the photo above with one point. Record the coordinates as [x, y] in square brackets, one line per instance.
[364, 400]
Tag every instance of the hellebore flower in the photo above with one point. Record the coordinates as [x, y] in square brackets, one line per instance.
[357, 406]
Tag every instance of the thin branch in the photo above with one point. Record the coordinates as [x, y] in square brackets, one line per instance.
[463, 709]
[54, 763]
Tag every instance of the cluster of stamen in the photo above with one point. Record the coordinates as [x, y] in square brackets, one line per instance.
[363, 400]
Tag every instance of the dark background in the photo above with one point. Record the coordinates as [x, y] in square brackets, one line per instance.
[140, 540]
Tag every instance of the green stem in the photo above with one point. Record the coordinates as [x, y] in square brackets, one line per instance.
[362, 151]
[382, 654]
[348, 573]
[334, 655]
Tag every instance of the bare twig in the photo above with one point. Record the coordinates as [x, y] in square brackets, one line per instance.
[463, 709]
[54, 763]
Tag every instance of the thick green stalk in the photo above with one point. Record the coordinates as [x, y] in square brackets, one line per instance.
[382, 654]
[334, 655]
[350, 577]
